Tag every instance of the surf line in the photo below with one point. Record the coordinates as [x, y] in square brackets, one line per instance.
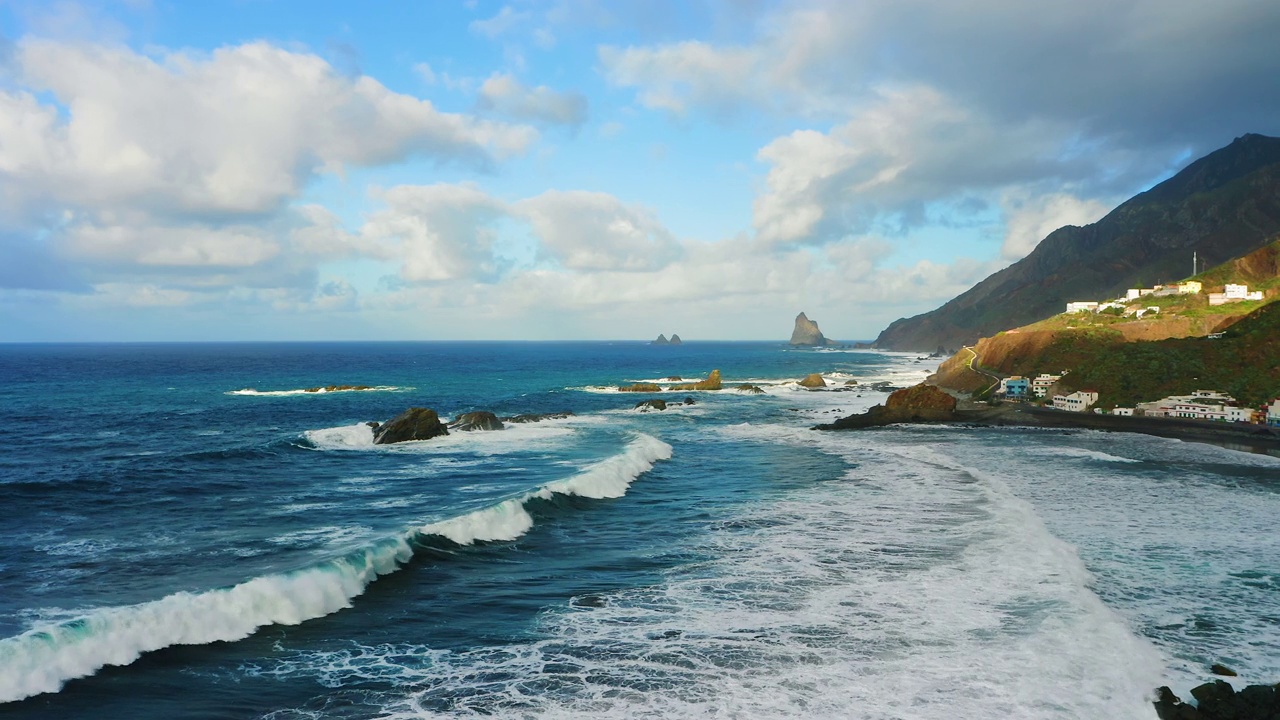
[44, 658]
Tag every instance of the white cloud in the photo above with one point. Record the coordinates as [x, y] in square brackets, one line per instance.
[134, 241]
[506, 95]
[437, 232]
[1028, 219]
[240, 131]
[908, 148]
[596, 231]
[504, 22]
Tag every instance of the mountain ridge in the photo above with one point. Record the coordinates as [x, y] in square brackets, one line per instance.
[1220, 206]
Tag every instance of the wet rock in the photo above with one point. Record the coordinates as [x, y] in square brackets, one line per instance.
[412, 424]
[674, 378]
[753, 389]
[1223, 670]
[536, 417]
[640, 387]
[592, 601]
[690, 401]
[711, 383]
[921, 403]
[481, 420]
[655, 404]
[813, 380]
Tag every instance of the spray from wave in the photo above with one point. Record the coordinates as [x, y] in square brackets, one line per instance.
[327, 390]
[42, 659]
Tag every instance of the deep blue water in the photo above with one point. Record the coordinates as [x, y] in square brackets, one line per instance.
[187, 535]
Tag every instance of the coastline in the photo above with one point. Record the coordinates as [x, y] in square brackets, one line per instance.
[1245, 438]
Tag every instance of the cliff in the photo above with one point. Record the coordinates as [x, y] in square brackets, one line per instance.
[1221, 206]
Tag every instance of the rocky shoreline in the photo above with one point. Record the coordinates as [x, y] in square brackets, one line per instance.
[1235, 436]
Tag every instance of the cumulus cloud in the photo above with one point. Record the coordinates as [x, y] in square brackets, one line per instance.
[436, 232]
[506, 95]
[1029, 219]
[240, 131]
[597, 231]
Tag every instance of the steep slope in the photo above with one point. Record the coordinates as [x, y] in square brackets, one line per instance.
[1221, 206]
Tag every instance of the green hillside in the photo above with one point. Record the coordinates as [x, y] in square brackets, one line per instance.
[1245, 363]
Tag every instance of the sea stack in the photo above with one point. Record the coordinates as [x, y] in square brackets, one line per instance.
[675, 339]
[662, 340]
[807, 332]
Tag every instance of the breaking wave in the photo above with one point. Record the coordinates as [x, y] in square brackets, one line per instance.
[42, 659]
[327, 390]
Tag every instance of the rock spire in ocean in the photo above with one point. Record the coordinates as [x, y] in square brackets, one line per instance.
[807, 332]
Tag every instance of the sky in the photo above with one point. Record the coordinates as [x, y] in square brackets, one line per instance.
[579, 169]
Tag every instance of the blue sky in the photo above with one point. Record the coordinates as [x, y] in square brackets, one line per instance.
[578, 169]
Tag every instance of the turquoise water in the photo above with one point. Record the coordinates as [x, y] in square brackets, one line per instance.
[188, 535]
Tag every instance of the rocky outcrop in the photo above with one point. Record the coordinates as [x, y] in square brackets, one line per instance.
[675, 339]
[813, 380]
[412, 424]
[655, 404]
[640, 387]
[752, 389]
[337, 388]
[711, 383]
[662, 340]
[536, 417]
[920, 403]
[1221, 206]
[1218, 700]
[806, 332]
[482, 420]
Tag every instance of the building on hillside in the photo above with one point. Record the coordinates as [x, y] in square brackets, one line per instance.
[1040, 385]
[1199, 411]
[1015, 387]
[1213, 395]
[1076, 402]
[1190, 287]
[1234, 293]
[1075, 307]
[1273, 413]
[1235, 413]
[1123, 412]
[1153, 310]
[1112, 305]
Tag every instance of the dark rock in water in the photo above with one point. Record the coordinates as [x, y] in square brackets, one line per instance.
[536, 417]
[1217, 700]
[655, 404]
[674, 378]
[690, 401]
[337, 388]
[806, 332]
[593, 601]
[921, 403]
[675, 339]
[1223, 670]
[482, 420]
[749, 388]
[412, 424]
[640, 387]
[662, 340]
[373, 425]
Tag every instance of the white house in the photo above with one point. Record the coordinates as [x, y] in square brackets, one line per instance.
[1234, 293]
[1076, 401]
[1133, 294]
[1199, 411]
[1124, 412]
[1273, 413]
[1074, 307]
[1040, 385]
[1236, 413]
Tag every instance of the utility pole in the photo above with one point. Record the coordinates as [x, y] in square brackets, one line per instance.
[1193, 263]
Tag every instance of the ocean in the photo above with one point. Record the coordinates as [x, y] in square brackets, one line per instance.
[187, 533]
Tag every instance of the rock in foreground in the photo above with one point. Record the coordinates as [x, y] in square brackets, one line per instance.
[921, 403]
[412, 424]
[1217, 700]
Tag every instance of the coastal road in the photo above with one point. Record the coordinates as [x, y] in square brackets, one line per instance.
[973, 364]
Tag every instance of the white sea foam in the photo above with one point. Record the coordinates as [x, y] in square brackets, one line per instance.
[42, 659]
[1074, 452]
[913, 588]
[514, 437]
[318, 391]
